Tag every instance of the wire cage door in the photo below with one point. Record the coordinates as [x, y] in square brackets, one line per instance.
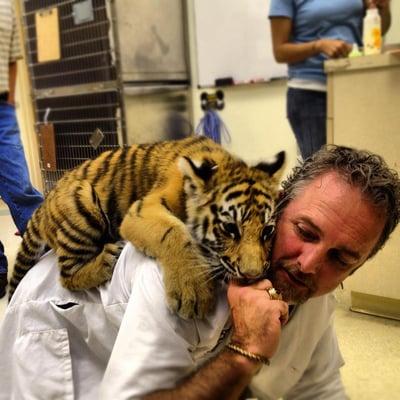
[73, 63]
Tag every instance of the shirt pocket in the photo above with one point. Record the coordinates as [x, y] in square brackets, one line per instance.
[43, 368]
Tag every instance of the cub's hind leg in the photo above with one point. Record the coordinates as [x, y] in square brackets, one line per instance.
[86, 257]
[91, 273]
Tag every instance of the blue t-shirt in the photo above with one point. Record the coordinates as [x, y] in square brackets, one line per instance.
[319, 19]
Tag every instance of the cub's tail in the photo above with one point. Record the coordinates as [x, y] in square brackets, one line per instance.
[29, 252]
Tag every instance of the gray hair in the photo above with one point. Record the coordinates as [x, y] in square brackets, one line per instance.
[360, 168]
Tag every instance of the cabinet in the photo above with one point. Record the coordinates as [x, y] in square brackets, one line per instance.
[151, 37]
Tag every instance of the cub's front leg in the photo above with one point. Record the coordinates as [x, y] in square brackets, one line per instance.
[154, 230]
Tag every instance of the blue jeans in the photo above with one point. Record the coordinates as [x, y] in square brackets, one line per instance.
[16, 189]
[306, 112]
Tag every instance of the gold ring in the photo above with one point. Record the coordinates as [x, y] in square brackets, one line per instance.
[273, 294]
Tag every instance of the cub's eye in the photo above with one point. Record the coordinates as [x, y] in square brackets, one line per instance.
[267, 232]
[230, 229]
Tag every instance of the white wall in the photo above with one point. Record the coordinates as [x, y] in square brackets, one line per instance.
[256, 120]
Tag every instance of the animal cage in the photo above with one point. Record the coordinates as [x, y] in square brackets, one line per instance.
[76, 93]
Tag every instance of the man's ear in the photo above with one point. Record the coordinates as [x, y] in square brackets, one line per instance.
[195, 169]
[274, 166]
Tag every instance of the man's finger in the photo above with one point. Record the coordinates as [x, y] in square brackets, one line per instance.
[284, 310]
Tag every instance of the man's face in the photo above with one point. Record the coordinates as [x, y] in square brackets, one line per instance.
[323, 235]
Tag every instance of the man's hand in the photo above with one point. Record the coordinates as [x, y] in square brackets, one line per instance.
[256, 318]
[256, 328]
[333, 48]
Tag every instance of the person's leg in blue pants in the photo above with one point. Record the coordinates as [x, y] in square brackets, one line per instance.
[306, 112]
[16, 189]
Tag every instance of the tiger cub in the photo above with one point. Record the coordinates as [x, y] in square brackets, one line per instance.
[198, 210]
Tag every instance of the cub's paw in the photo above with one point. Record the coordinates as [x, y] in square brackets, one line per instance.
[190, 295]
[95, 271]
[111, 252]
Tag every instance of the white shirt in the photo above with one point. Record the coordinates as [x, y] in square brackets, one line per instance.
[120, 341]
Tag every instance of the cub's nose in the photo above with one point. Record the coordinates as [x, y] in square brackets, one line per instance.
[251, 273]
[256, 272]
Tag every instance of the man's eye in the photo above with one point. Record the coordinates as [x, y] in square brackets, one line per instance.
[343, 265]
[306, 234]
[335, 257]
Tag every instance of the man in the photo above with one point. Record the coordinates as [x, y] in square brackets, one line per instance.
[15, 186]
[121, 342]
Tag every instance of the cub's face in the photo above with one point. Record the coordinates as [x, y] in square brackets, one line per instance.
[230, 212]
[234, 228]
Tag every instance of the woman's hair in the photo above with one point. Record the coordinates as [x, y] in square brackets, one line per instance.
[362, 169]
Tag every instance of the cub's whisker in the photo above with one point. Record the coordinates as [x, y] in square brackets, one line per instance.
[214, 275]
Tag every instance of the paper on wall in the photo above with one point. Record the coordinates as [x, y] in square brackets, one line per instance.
[48, 35]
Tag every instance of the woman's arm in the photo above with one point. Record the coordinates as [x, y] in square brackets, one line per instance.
[384, 11]
[287, 52]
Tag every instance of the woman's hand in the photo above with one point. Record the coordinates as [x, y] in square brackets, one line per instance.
[333, 48]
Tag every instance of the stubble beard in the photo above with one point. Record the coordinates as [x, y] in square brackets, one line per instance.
[292, 293]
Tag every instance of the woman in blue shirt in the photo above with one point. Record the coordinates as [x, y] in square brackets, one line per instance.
[304, 34]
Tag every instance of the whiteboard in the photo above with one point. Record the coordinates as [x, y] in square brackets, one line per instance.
[233, 39]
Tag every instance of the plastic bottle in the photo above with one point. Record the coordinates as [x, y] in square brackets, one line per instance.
[372, 35]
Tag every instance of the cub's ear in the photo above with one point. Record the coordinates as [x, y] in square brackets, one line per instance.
[194, 169]
[273, 166]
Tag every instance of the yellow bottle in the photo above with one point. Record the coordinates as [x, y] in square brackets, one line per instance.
[372, 34]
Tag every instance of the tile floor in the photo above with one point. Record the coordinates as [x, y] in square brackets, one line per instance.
[370, 345]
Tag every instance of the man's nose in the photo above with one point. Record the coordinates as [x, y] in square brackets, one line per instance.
[311, 259]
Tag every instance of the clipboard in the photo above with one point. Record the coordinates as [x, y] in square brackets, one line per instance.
[48, 146]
